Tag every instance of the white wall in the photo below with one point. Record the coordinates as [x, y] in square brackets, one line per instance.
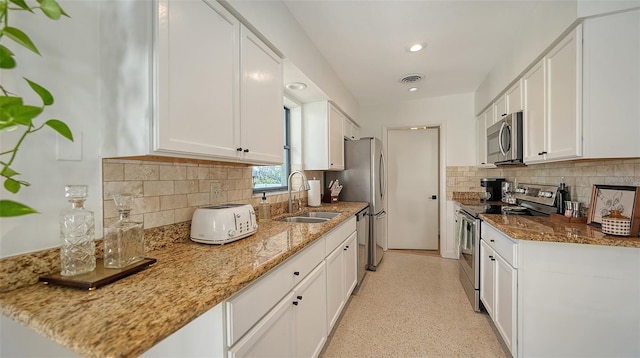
[596, 7]
[69, 68]
[454, 114]
[553, 19]
[274, 20]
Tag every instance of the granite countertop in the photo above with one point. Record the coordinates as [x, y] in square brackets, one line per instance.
[128, 317]
[537, 228]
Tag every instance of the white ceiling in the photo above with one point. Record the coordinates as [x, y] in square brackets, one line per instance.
[366, 42]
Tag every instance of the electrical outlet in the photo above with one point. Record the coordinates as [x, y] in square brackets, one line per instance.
[216, 192]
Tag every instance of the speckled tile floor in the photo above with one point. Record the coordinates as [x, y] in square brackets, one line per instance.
[413, 306]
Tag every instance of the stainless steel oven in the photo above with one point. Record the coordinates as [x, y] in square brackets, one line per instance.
[468, 239]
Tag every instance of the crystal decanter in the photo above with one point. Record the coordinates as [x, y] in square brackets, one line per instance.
[124, 240]
[77, 225]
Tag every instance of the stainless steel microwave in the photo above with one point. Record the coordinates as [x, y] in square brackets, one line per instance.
[504, 140]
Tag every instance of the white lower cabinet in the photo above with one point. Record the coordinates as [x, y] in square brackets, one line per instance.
[499, 282]
[271, 337]
[294, 328]
[341, 277]
[288, 312]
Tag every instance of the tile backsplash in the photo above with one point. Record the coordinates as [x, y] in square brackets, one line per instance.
[168, 190]
[579, 175]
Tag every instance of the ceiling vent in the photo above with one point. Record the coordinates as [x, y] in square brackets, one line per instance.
[412, 78]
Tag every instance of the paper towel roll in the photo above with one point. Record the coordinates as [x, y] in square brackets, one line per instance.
[314, 193]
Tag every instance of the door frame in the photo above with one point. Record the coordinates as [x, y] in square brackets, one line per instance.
[442, 176]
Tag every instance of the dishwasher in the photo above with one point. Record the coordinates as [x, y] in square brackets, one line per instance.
[362, 228]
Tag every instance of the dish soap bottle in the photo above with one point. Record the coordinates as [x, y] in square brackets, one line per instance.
[124, 240]
[264, 209]
[77, 234]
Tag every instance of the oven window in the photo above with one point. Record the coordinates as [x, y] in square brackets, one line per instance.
[467, 242]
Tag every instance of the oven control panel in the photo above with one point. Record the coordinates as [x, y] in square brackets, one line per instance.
[537, 193]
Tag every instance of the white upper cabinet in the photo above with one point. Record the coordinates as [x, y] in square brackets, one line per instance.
[484, 121]
[323, 139]
[514, 98]
[534, 115]
[611, 113]
[261, 102]
[187, 79]
[552, 89]
[197, 94]
[350, 130]
[564, 92]
[500, 108]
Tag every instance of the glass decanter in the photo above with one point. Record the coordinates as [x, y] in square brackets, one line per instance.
[77, 234]
[124, 240]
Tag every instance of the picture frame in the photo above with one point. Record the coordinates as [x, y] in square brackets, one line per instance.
[615, 197]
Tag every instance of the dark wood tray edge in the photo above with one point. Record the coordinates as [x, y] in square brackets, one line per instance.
[99, 277]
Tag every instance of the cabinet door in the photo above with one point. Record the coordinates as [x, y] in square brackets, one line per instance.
[197, 60]
[311, 313]
[534, 114]
[350, 252]
[564, 92]
[514, 98]
[261, 110]
[272, 336]
[501, 108]
[487, 286]
[335, 286]
[504, 314]
[336, 140]
[481, 131]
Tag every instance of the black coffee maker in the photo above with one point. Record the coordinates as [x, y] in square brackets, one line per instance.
[493, 189]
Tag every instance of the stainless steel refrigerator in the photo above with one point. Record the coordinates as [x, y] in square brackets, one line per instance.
[364, 180]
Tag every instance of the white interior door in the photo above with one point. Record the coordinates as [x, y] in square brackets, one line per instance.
[413, 188]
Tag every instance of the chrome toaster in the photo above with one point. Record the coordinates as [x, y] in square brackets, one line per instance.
[221, 224]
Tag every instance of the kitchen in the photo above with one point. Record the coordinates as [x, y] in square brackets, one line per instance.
[455, 112]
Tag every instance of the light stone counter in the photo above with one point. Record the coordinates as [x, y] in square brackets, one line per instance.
[536, 228]
[129, 316]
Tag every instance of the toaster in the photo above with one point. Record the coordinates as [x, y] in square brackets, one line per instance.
[221, 224]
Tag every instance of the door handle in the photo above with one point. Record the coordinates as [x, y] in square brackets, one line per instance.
[434, 197]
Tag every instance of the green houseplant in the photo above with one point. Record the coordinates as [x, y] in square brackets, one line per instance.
[14, 113]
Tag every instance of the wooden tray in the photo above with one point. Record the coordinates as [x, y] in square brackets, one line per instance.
[99, 277]
[564, 219]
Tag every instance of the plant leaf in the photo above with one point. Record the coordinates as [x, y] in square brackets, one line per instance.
[51, 9]
[46, 96]
[9, 208]
[20, 37]
[60, 127]
[6, 58]
[9, 101]
[12, 185]
[23, 5]
[24, 114]
[8, 172]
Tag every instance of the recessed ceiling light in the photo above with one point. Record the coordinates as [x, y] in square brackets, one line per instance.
[416, 47]
[296, 86]
[413, 89]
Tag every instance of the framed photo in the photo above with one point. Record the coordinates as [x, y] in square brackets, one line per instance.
[605, 198]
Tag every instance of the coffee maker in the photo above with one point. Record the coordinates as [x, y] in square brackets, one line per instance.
[493, 188]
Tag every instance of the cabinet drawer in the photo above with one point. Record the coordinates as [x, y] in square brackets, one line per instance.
[501, 243]
[339, 234]
[247, 307]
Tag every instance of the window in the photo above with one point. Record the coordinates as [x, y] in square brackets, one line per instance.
[274, 178]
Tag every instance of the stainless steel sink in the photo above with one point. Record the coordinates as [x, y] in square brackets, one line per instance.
[304, 219]
[320, 214]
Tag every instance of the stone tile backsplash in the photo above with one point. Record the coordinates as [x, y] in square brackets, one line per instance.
[169, 190]
[579, 175]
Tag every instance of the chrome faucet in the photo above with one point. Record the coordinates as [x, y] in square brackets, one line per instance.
[305, 184]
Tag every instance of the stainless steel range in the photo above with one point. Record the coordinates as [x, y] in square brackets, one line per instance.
[531, 199]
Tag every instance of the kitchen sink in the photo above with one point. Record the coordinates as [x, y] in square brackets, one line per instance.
[320, 214]
[304, 219]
